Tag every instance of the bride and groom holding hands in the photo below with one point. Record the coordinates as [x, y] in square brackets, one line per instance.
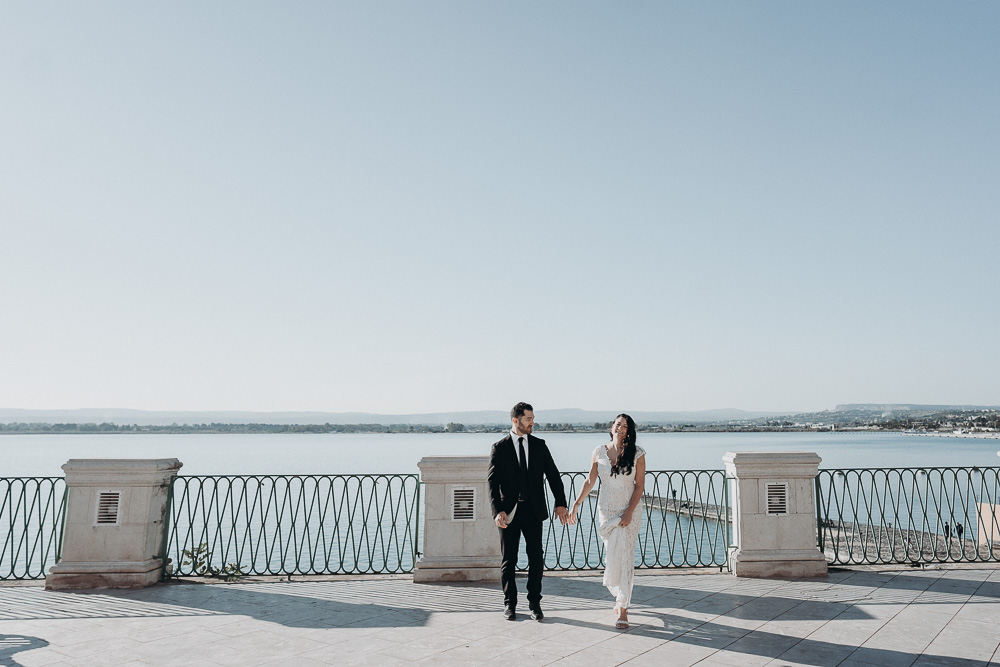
[520, 464]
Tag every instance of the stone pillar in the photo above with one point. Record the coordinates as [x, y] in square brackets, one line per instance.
[461, 542]
[116, 511]
[774, 516]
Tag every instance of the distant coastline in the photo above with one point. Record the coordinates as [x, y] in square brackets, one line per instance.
[980, 436]
[249, 429]
[938, 420]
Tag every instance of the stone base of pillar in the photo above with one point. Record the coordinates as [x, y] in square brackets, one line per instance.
[778, 563]
[121, 574]
[457, 568]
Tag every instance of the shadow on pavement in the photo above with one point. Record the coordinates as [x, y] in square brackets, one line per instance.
[665, 610]
[292, 607]
[11, 644]
[797, 650]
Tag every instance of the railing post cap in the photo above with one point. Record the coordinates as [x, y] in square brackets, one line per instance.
[765, 457]
[447, 468]
[772, 464]
[436, 462]
[90, 472]
[139, 465]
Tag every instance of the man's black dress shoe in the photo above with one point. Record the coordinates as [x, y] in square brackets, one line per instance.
[508, 613]
[536, 614]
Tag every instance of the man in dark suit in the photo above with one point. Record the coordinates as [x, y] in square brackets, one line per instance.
[519, 465]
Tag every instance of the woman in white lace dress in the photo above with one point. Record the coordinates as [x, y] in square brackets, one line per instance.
[621, 466]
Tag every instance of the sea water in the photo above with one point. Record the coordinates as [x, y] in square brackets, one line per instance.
[398, 453]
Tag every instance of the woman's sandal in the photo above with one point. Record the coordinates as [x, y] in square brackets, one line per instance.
[621, 623]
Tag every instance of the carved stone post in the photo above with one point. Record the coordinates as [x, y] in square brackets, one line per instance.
[461, 542]
[774, 522]
[115, 515]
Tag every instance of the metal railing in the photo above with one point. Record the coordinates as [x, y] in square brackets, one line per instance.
[32, 515]
[293, 524]
[685, 523]
[353, 524]
[345, 524]
[908, 515]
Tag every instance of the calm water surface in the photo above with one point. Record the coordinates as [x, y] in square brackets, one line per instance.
[42, 455]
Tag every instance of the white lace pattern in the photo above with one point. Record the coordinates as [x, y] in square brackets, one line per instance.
[619, 543]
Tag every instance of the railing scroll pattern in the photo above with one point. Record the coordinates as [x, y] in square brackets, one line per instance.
[32, 516]
[344, 524]
[909, 515]
[354, 524]
[230, 525]
[685, 523]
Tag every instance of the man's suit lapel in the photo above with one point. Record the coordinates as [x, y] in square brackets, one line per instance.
[512, 453]
[532, 455]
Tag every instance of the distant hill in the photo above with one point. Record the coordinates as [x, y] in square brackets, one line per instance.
[166, 418]
[908, 407]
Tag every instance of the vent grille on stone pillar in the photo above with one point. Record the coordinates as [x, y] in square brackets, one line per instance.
[108, 504]
[463, 504]
[777, 498]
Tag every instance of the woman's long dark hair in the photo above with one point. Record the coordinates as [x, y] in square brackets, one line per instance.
[627, 459]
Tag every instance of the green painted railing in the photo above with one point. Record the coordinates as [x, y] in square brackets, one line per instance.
[685, 523]
[909, 515]
[345, 524]
[353, 524]
[293, 524]
[32, 513]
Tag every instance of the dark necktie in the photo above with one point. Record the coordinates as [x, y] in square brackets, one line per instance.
[523, 476]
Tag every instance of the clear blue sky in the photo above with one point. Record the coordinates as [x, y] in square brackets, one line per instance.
[423, 206]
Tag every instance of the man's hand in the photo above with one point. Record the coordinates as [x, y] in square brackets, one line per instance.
[500, 519]
[562, 514]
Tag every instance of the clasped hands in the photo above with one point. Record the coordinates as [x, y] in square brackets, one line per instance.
[571, 517]
[501, 518]
[562, 514]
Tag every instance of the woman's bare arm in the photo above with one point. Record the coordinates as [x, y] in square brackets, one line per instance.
[588, 484]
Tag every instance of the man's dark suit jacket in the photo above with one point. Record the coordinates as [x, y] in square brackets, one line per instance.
[503, 477]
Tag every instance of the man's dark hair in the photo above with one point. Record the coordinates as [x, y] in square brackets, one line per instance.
[518, 410]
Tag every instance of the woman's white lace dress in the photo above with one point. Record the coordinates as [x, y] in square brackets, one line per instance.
[619, 543]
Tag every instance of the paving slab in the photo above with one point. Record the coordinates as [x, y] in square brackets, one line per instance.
[866, 616]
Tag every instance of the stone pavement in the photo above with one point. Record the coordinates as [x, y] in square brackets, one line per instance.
[852, 617]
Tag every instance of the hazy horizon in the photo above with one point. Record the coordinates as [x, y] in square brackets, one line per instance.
[392, 207]
[124, 416]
